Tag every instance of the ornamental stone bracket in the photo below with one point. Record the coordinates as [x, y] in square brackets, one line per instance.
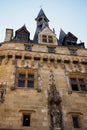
[54, 106]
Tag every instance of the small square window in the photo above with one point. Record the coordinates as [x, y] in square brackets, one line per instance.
[26, 120]
[75, 122]
[28, 48]
[73, 52]
[75, 87]
[51, 49]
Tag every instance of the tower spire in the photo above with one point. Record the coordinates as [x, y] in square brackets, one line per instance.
[41, 14]
[42, 22]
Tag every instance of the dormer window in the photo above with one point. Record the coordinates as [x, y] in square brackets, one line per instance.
[47, 39]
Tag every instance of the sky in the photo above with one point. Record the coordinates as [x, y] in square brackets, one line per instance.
[69, 15]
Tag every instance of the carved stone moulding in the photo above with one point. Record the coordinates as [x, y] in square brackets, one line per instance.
[59, 59]
[66, 60]
[84, 61]
[75, 60]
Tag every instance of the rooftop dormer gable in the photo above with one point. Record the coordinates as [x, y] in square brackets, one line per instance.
[47, 36]
[22, 35]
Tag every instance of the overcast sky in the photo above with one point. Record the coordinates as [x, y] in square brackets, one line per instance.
[70, 15]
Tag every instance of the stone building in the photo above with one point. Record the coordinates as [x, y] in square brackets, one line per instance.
[43, 82]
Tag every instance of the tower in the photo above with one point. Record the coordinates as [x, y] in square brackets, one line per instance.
[42, 22]
[43, 82]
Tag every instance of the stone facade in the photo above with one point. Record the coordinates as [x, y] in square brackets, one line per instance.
[57, 99]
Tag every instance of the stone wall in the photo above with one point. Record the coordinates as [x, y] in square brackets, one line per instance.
[31, 101]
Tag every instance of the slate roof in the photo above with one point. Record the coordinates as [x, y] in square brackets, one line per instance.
[61, 36]
[20, 33]
[23, 28]
[41, 13]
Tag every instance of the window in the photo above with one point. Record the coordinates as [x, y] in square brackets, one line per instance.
[75, 87]
[28, 47]
[44, 38]
[51, 49]
[26, 120]
[47, 39]
[75, 121]
[26, 78]
[78, 83]
[83, 88]
[73, 52]
[50, 39]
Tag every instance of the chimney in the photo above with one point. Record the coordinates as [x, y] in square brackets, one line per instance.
[8, 35]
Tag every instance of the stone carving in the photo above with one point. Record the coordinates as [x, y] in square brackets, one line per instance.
[56, 118]
[27, 64]
[22, 62]
[62, 65]
[41, 62]
[54, 106]
[13, 87]
[48, 63]
[2, 92]
[39, 79]
[80, 66]
[71, 65]
[39, 83]
[6, 60]
[55, 64]
[32, 62]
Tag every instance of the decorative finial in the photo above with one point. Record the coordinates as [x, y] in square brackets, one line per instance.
[41, 6]
[53, 30]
